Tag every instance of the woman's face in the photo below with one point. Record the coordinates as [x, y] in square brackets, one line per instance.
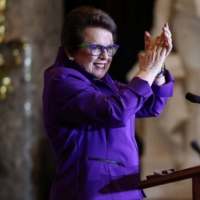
[97, 65]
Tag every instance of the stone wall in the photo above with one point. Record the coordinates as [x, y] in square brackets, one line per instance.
[26, 163]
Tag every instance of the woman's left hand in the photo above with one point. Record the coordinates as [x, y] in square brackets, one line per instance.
[165, 37]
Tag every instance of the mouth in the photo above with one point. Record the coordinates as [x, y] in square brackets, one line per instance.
[100, 65]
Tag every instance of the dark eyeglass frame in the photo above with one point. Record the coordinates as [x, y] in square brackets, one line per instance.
[102, 46]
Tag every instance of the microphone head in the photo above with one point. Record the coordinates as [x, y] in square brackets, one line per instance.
[195, 146]
[192, 97]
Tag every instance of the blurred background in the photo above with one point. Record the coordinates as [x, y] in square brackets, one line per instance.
[29, 40]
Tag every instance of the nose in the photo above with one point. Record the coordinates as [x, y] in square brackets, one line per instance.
[104, 55]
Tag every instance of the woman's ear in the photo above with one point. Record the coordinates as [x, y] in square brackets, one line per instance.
[68, 55]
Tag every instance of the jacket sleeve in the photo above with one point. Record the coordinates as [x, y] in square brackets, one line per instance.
[70, 97]
[156, 103]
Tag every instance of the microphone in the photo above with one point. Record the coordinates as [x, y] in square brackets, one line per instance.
[195, 146]
[192, 97]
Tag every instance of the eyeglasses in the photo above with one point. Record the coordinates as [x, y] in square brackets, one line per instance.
[98, 49]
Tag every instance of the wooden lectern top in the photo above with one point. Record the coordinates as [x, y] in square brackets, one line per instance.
[193, 172]
[169, 178]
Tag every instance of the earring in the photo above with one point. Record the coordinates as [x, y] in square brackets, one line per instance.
[71, 58]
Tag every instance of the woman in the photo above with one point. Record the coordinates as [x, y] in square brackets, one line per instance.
[89, 118]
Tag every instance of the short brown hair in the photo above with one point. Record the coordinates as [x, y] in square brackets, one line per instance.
[80, 18]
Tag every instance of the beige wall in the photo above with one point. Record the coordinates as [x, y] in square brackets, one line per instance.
[21, 128]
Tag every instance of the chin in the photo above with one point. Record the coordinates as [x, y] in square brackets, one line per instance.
[99, 76]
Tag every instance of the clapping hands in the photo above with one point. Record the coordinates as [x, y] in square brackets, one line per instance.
[165, 38]
[156, 51]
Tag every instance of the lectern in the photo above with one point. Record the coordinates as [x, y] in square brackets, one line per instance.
[193, 172]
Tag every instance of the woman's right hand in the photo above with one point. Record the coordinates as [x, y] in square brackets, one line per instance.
[155, 53]
[152, 60]
[166, 37]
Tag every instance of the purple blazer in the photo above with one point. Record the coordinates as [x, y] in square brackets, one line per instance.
[91, 128]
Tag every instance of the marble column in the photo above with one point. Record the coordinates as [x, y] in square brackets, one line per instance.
[22, 137]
